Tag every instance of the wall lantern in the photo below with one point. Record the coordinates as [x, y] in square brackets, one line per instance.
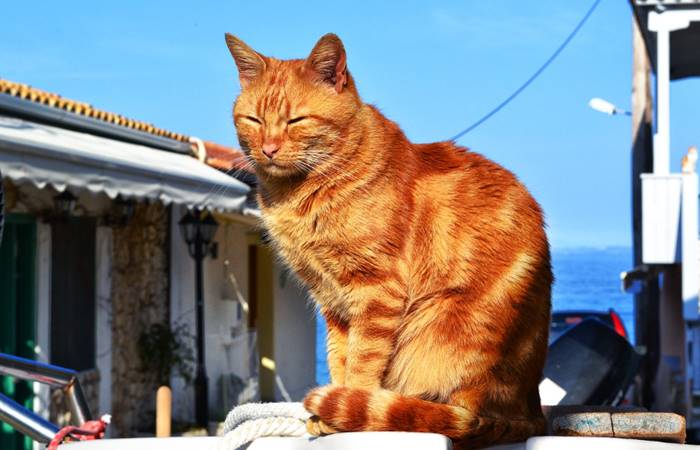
[198, 231]
[122, 211]
[64, 203]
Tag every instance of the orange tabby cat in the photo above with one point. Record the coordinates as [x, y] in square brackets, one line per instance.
[429, 262]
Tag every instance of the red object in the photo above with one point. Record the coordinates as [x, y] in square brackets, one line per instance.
[617, 324]
[89, 431]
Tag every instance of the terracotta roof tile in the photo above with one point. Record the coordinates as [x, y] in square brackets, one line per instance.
[27, 92]
[226, 158]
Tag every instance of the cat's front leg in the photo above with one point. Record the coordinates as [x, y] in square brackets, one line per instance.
[371, 339]
[337, 346]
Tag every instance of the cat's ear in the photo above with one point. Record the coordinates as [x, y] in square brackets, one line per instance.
[327, 62]
[250, 63]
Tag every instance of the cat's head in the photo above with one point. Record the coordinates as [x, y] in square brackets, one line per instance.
[291, 115]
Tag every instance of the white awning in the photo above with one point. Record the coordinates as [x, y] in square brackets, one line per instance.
[46, 155]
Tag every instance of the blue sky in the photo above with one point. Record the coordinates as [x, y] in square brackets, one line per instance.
[433, 67]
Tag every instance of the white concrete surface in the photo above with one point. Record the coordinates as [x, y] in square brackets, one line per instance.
[345, 441]
[376, 441]
[599, 443]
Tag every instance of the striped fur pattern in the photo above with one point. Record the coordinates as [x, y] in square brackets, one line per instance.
[429, 262]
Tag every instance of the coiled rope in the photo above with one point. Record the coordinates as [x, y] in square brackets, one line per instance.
[251, 421]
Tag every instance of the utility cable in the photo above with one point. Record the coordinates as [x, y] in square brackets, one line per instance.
[534, 76]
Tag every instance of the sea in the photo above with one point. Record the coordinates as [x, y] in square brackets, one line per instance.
[585, 278]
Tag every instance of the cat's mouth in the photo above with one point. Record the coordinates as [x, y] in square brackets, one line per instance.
[277, 168]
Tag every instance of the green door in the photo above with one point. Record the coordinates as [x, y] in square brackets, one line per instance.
[17, 313]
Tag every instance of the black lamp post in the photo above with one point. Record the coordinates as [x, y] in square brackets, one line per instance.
[198, 231]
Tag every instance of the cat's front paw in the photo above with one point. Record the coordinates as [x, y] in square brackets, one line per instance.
[314, 399]
[317, 427]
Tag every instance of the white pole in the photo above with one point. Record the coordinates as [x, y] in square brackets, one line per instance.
[689, 239]
[690, 284]
[662, 137]
[663, 24]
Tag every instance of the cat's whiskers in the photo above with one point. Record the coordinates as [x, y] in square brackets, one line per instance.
[247, 165]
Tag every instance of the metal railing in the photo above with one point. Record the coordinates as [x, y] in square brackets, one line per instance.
[27, 422]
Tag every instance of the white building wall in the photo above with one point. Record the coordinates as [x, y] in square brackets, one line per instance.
[228, 347]
[103, 317]
[43, 317]
[221, 319]
[225, 281]
[295, 337]
[181, 310]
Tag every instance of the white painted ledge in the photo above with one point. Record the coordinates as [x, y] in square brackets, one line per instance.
[374, 441]
[342, 441]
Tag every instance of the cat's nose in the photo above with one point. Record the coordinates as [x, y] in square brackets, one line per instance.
[270, 148]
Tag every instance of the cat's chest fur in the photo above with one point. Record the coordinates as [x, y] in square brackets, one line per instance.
[324, 245]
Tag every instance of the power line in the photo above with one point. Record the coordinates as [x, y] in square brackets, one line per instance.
[534, 75]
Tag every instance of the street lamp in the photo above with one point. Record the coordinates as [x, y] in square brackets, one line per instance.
[64, 202]
[606, 107]
[198, 231]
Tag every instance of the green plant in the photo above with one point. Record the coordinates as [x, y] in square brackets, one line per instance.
[163, 349]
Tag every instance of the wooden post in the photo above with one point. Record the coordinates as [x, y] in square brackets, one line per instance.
[164, 404]
[646, 303]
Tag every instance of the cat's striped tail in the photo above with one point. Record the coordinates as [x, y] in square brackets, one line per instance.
[353, 409]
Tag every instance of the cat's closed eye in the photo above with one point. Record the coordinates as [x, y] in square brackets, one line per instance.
[253, 119]
[296, 120]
